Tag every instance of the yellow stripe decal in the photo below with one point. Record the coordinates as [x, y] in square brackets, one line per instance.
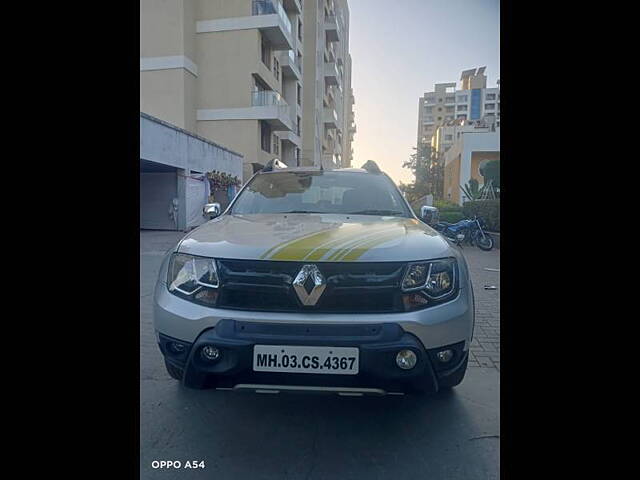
[299, 248]
[347, 243]
[369, 240]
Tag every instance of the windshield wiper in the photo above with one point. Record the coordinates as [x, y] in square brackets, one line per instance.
[377, 212]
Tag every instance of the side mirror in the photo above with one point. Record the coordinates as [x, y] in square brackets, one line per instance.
[429, 215]
[211, 210]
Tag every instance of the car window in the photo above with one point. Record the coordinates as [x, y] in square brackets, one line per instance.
[321, 192]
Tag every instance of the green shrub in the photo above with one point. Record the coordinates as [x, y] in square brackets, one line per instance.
[446, 206]
[488, 210]
[451, 217]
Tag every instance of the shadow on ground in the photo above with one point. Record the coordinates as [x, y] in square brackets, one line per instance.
[450, 435]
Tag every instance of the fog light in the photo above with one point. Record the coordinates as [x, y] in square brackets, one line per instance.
[176, 347]
[406, 359]
[209, 352]
[445, 355]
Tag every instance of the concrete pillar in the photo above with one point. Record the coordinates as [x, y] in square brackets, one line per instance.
[465, 170]
[182, 198]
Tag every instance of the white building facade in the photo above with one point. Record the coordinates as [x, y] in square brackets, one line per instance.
[472, 101]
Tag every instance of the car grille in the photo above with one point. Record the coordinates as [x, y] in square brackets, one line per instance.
[351, 287]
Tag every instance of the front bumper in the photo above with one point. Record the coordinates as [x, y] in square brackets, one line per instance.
[378, 345]
[443, 324]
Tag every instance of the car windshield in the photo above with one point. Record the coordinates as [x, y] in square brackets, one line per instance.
[349, 193]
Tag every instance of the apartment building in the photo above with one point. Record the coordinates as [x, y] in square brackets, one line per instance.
[227, 70]
[446, 134]
[473, 101]
[327, 85]
[347, 158]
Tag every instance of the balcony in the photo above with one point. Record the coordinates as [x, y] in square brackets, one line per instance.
[332, 28]
[330, 118]
[273, 32]
[266, 105]
[293, 6]
[330, 53]
[290, 65]
[331, 74]
[292, 138]
[267, 16]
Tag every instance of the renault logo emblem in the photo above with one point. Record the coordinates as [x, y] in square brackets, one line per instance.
[309, 276]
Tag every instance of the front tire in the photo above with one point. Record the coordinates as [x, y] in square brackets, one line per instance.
[485, 243]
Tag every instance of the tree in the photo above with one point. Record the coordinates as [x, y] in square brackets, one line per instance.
[491, 172]
[428, 171]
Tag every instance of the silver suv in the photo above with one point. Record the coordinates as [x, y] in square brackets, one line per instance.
[315, 280]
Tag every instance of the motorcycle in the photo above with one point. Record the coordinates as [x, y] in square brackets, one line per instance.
[468, 230]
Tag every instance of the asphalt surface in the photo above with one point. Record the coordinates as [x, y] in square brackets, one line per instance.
[453, 435]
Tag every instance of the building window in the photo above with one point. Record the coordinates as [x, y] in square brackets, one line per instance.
[440, 100]
[276, 145]
[265, 136]
[448, 117]
[461, 108]
[428, 119]
[276, 68]
[491, 96]
[429, 100]
[475, 103]
[266, 53]
[450, 99]
[463, 117]
[298, 126]
[299, 29]
[428, 109]
[439, 118]
[489, 106]
[297, 157]
[448, 138]
[463, 98]
[449, 109]
[439, 109]
[299, 94]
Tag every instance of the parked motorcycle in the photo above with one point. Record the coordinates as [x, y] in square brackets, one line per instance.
[468, 230]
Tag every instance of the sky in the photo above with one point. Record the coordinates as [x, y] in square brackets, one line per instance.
[399, 50]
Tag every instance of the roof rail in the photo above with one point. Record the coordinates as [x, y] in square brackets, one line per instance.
[274, 164]
[371, 167]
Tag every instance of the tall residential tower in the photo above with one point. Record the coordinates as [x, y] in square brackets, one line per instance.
[473, 101]
[265, 78]
[327, 87]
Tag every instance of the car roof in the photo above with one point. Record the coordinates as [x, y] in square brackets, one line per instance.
[315, 170]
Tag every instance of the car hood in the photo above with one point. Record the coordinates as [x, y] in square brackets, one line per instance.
[316, 238]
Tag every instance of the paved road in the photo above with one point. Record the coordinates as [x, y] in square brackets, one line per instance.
[452, 435]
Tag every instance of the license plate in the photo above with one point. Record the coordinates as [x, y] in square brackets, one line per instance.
[302, 359]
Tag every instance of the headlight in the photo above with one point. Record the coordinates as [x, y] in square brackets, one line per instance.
[193, 278]
[429, 283]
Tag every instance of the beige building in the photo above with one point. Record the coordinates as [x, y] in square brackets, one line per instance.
[231, 71]
[474, 143]
[227, 70]
[347, 158]
[473, 101]
[327, 86]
